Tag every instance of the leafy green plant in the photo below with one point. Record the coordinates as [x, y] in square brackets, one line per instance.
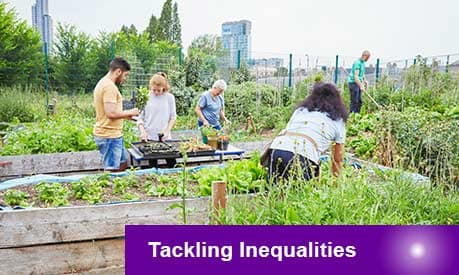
[209, 131]
[16, 198]
[54, 194]
[90, 190]
[141, 98]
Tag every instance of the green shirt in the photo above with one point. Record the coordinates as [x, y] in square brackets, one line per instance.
[359, 64]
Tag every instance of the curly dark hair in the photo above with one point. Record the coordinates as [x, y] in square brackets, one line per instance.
[326, 98]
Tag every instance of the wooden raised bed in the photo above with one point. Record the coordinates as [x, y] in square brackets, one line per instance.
[87, 239]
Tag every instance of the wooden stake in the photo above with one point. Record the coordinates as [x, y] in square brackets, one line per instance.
[218, 199]
[252, 123]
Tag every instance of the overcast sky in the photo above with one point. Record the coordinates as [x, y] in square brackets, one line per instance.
[390, 29]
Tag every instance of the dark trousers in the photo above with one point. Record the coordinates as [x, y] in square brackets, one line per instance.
[284, 164]
[356, 98]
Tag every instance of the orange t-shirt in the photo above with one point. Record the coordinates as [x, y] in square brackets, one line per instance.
[107, 92]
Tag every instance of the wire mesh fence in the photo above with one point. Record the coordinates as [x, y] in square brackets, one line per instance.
[280, 70]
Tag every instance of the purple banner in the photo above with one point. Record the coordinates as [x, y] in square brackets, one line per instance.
[421, 250]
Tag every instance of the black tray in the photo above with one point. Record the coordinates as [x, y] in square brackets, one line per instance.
[171, 150]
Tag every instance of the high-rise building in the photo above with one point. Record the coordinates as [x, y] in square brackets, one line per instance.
[43, 22]
[236, 36]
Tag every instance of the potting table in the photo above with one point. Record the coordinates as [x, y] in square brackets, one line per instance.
[232, 150]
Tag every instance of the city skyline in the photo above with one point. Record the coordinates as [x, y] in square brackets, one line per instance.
[391, 30]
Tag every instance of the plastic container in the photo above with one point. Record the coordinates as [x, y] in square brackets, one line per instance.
[223, 145]
[212, 142]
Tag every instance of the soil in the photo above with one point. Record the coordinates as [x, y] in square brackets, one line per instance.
[108, 196]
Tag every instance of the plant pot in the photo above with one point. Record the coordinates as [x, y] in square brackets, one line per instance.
[204, 139]
[223, 145]
[212, 142]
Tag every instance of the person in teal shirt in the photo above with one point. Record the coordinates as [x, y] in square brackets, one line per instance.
[357, 82]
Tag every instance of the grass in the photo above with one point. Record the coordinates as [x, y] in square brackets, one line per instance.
[355, 198]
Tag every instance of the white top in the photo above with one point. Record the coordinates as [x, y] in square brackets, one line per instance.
[317, 125]
[160, 109]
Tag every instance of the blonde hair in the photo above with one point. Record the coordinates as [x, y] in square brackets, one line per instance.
[160, 79]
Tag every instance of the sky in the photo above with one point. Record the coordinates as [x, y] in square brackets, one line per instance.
[390, 29]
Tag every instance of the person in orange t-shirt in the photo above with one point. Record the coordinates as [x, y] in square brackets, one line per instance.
[108, 103]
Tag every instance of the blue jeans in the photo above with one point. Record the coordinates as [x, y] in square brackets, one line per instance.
[113, 152]
[356, 98]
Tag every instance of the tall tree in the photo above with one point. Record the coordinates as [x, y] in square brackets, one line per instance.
[21, 58]
[163, 30]
[152, 25]
[201, 63]
[176, 27]
[71, 60]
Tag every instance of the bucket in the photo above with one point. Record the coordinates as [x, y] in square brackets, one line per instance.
[223, 145]
[212, 142]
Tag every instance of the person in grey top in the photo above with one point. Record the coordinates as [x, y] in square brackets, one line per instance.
[317, 125]
[159, 115]
[210, 107]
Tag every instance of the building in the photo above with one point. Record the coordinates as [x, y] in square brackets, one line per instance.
[270, 62]
[43, 22]
[236, 37]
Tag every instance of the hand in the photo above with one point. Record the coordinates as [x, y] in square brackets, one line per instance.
[133, 112]
[206, 123]
[165, 135]
[227, 121]
[144, 136]
[362, 88]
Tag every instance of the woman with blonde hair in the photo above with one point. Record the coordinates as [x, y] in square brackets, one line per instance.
[159, 116]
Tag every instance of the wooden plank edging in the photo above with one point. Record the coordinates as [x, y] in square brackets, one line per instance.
[65, 224]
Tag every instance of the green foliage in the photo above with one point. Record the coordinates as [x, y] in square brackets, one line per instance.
[264, 102]
[242, 75]
[176, 37]
[209, 132]
[141, 98]
[99, 57]
[54, 194]
[122, 184]
[61, 133]
[164, 28]
[21, 57]
[71, 64]
[21, 103]
[168, 27]
[420, 140]
[355, 198]
[89, 189]
[16, 198]
[150, 30]
[202, 61]
[240, 176]
[184, 99]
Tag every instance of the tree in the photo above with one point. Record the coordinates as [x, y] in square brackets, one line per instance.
[72, 60]
[21, 57]
[152, 25]
[202, 61]
[131, 30]
[99, 57]
[242, 75]
[176, 27]
[163, 30]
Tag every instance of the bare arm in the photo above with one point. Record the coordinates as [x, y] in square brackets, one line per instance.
[357, 80]
[222, 115]
[337, 158]
[112, 112]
